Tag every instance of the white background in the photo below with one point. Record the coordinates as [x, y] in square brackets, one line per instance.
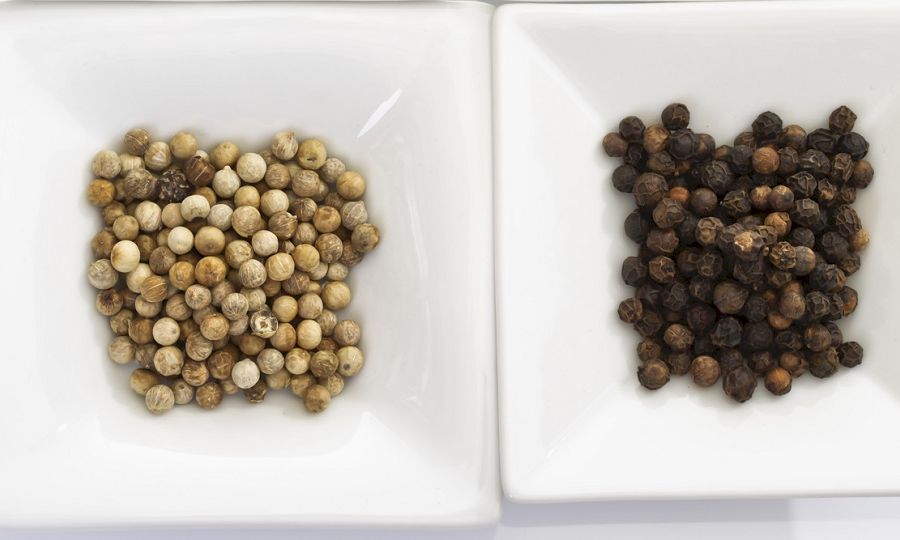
[775, 519]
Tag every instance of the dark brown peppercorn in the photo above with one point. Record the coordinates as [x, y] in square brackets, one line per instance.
[780, 222]
[757, 336]
[667, 213]
[736, 203]
[781, 199]
[792, 305]
[729, 297]
[805, 212]
[817, 305]
[649, 349]
[739, 383]
[747, 245]
[653, 374]
[655, 138]
[778, 381]
[649, 324]
[788, 340]
[787, 161]
[678, 337]
[845, 195]
[635, 155]
[837, 337]
[850, 354]
[676, 116]
[687, 260]
[823, 140]
[675, 296]
[716, 176]
[686, 229]
[766, 127]
[814, 162]
[705, 371]
[825, 193]
[854, 144]
[793, 136]
[816, 337]
[765, 160]
[706, 148]
[632, 129]
[662, 241]
[823, 364]
[649, 189]
[803, 184]
[679, 363]
[801, 236]
[849, 300]
[793, 362]
[710, 264]
[701, 288]
[661, 269]
[783, 256]
[614, 145]
[842, 120]
[633, 271]
[707, 231]
[662, 163]
[726, 332]
[683, 144]
[637, 226]
[806, 260]
[755, 309]
[759, 197]
[827, 278]
[845, 220]
[760, 362]
[198, 171]
[700, 318]
[257, 392]
[833, 245]
[630, 310]
[862, 174]
[648, 293]
[703, 201]
[623, 178]
[173, 186]
[841, 168]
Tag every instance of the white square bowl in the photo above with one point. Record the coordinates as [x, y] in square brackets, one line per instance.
[401, 92]
[575, 424]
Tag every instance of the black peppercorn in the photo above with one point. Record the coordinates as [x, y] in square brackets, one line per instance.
[653, 374]
[778, 278]
[766, 127]
[701, 288]
[700, 318]
[841, 168]
[706, 148]
[816, 337]
[710, 264]
[823, 364]
[854, 144]
[823, 140]
[827, 278]
[739, 383]
[686, 261]
[705, 370]
[649, 189]
[716, 176]
[742, 159]
[747, 245]
[845, 195]
[729, 297]
[778, 381]
[825, 193]
[788, 340]
[623, 178]
[173, 186]
[801, 236]
[835, 307]
[726, 237]
[649, 349]
[630, 310]
[675, 296]
[703, 201]
[649, 324]
[783, 256]
[676, 116]
[842, 120]
[793, 136]
[632, 129]
[745, 138]
[667, 213]
[751, 273]
[707, 231]
[637, 226]
[845, 220]
[805, 212]
[814, 162]
[760, 362]
[849, 263]
[614, 145]
[633, 271]
[729, 359]
[803, 184]
[679, 363]
[678, 337]
[862, 174]
[684, 144]
[702, 345]
[787, 161]
[806, 260]
[817, 305]
[726, 332]
[850, 354]
[635, 155]
[833, 246]
[649, 293]
[755, 308]
[662, 163]
[837, 337]
[849, 300]
[736, 203]
[793, 362]
[661, 269]
[757, 336]
[662, 241]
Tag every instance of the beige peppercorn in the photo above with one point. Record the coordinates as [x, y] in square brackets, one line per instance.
[166, 331]
[220, 291]
[229, 387]
[323, 363]
[180, 240]
[196, 346]
[263, 323]
[143, 355]
[328, 344]
[181, 276]
[278, 380]
[161, 261]
[111, 212]
[220, 364]
[102, 243]
[350, 361]
[271, 287]
[309, 334]
[119, 322]
[159, 399]
[209, 241]
[246, 220]
[306, 233]
[158, 156]
[194, 207]
[194, 373]
[184, 393]
[214, 327]
[137, 140]
[183, 145]
[284, 338]
[332, 169]
[237, 252]
[278, 176]
[336, 295]
[168, 361]
[235, 306]
[209, 395]
[252, 273]
[273, 201]
[270, 361]
[311, 154]
[251, 167]
[220, 218]
[142, 380]
[154, 288]
[365, 237]
[330, 247]
[264, 243]
[250, 345]
[247, 196]
[353, 214]
[210, 271]
[283, 225]
[226, 183]
[285, 308]
[309, 306]
[306, 257]
[147, 309]
[334, 383]
[351, 185]
[316, 399]
[245, 373]
[279, 267]
[326, 219]
[334, 200]
[347, 332]
[224, 154]
[135, 278]
[255, 297]
[106, 164]
[296, 361]
[300, 383]
[327, 321]
[305, 183]
[149, 216]
[102, 274]
[285, 145]
[109, 302]
[315, 275]
[121, 350]
[197, 296]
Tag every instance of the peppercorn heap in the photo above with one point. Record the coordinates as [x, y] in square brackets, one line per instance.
[744, 250]
[224, 271]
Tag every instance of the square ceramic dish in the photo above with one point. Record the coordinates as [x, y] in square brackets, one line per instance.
[575, 424]
[401, 92]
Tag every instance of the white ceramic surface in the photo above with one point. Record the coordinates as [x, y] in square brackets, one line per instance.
[575, 424]
[402, 93]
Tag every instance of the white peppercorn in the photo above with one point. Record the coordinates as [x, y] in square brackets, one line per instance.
[129, 162]
[278, 380]
[336, 295]
[171, 215]
[199, 314]
[143, 355]
[285, 308]
[337, 272]
[194, 373]
[226, 183]
[121, 350]
[154, 288]
[305, 208]
[273, 201]
[311, 154]
[168, 361]
[159, 399]
[365, 237]
[309, 306]
[296, 361]
[237, 252]
[247, 196]
[106, 164]
[158, 156]
[305, 234]
[209, 240]
[284, 339]
[214, 327]
[102, 274]
[283, 225]
[220, 217]
[229, 387]
[278, 176]
[210, 271]
[148, 215]
[271, 287]
[194, 207]
[284, 145]
[166, 331]
[141, 380]
[255, 297]
[220, 291]
[224, 154]
[183, 392]
[245, 373]
[270, 361]
[351, 185]
[252, 273]
[183, 145]
[353, 214]
[264, 243]
[251, 167]
[235, 306]
[111, 212]
[181, 276]
[350, 361]
[197, 297]
[246, 220]
[263, 323]
[209, 395]
[239, 326]
[137, 141]
[145, 308]
[309, 334]
[332, 169]
[347, 332]
[109, 302]
[119, 322]
[300, 383]
[126, 228]
[305, 183]
[334, 383]
[125, 256]
[139, 184]
[330, 247]
[197, 347]
[279, 267]
[326, 219]
[316, 399]
[135, 278]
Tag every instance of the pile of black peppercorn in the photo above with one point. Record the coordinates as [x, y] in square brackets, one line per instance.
[744, 250]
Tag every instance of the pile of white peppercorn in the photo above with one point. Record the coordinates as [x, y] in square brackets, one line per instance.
[223, 272]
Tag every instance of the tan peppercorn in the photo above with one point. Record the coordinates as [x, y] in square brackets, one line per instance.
[285, 308]
[209, 395]
[296, 361]
[351, 185]
[102, 243]
[309, 334]
[327, 321]
[250, 345]
[148, 215]
[166, 331]
[300, 383]
[284, 338]
[238, 252]
[316, 398]
[263, 323]
[323, 363]
[278, 380]
[111, 212]
[125, 256]
[255, 297]
[121, 350]
[181, 275]
[365, 238]
[106, 164]
[159, 399]
[246, 220]
[330, 247]
[305, 183]
[102, 275]
[209, 241]
[184, 393]
[859, 240]
[353, 214]
[109, 302]
[183, 145]
[350, 361]
[285, 145]
[189, 328]
[311, 154]
[135, 278]
[270, 361]
[326, 219]
[239, 326]
[140, 184]
[143, 355]
[146, 244]
[245, 373]
[765, 160]
[147, 309]
[196, 346]
[194, 373]
[140, 330]
[278, 176]
[154, 288]
[224, 154]
[101, 192]
[257, 392]
[273, 201]
[334, 383]
[778, 381]
[214, 327]
[305, 234]
[119, 322]
[142, 380]
[220, 364]
[137, 140]
[309, 306]
[336, 295]
[210, 271]
[347, 332]
[279, 267]
[168, 361]
[235, 306]
[158, 156]
[283, 225]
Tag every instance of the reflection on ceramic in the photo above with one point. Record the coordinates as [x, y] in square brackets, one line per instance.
[575, 424]
[412, 439]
